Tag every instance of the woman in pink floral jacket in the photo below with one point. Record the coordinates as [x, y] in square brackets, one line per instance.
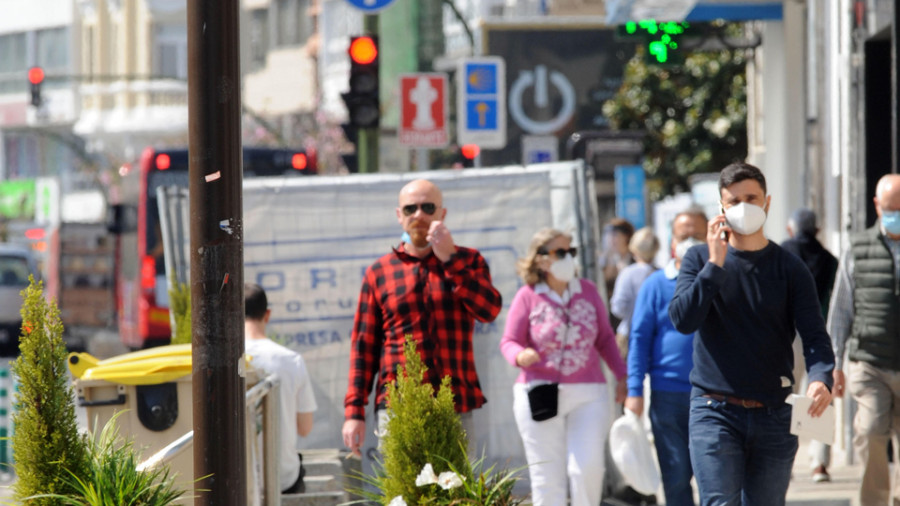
[557, 331]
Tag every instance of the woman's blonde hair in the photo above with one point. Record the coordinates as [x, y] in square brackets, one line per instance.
[527, 267]
[644, 244]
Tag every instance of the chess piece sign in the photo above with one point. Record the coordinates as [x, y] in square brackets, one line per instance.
[423, 110]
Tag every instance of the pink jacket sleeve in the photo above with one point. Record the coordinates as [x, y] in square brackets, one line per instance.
[606, 337]
[516, 334]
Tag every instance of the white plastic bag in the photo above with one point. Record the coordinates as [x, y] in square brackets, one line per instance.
[630, 449]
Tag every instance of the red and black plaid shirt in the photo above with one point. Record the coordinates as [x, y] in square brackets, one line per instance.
[437, 303]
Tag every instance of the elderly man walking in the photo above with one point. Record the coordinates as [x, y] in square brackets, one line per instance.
[864, 320]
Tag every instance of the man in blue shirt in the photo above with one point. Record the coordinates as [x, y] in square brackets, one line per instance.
[747, 298]
[658, 349]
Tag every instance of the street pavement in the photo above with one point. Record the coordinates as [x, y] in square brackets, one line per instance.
[840, 491]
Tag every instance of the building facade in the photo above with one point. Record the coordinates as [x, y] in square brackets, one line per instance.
[34, 141]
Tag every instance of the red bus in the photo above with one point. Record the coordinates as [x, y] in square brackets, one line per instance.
[142, 298]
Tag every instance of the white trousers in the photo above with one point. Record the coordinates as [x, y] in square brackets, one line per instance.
[565, 453]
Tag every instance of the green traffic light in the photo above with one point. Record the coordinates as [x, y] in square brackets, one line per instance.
[659, 50]
[661, 38]
[649, 25]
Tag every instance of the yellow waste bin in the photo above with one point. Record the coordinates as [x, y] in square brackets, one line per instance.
[152, 386]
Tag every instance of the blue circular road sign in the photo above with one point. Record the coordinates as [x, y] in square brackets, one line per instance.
[370, 6]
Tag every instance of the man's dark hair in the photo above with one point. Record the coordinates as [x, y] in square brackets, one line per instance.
[621, 225]
[740, 171]
[255, 302]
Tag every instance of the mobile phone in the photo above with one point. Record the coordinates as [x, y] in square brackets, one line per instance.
[724, 234]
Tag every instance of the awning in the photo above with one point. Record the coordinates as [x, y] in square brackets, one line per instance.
[621, 11]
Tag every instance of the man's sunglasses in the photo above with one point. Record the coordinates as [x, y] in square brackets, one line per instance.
[427, 208]
[559, 252]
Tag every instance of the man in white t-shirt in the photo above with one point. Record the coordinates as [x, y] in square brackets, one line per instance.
[297, 400]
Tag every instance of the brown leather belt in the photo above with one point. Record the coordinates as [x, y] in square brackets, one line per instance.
[737, 401]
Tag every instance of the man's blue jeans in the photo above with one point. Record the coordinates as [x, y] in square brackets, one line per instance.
[741, 456]
[669, 413]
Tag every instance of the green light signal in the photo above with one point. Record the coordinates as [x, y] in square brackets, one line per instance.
[649, 25]
[659, 50]
[661, 37]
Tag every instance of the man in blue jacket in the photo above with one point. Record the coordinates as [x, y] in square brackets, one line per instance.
[658, 349]
[747, 298]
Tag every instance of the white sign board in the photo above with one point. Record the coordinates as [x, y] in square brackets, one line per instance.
[481, 102]
[423, 110]
[539, 149]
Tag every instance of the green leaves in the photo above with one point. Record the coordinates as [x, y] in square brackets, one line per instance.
[54, 463]
[423, 429]
[46, 442]
[695, 115]
[113, 477]
[180, 305]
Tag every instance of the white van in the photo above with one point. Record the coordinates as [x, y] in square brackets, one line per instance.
[16, 264]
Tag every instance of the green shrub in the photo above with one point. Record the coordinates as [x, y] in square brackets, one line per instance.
[113, 476]
[180, 305]
[425, 448]
[46, 442]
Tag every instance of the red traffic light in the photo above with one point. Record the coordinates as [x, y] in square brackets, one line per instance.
[35, 234]
[470, 151]
[299, 161]
[163, 161]
[35, 75]
[363, 50]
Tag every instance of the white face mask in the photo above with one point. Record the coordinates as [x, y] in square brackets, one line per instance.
[745, 219]
[682, 247]
[563, 270]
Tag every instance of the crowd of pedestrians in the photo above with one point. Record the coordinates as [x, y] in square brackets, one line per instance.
[710, 345]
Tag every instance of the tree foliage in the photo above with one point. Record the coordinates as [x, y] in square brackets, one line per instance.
[422, 428]
[424, 432]
[695, 114]
[46, 442]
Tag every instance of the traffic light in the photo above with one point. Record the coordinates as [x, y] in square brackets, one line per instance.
[351, 161]
[469, 152]
[363, 107]
[661, 40]
[36, 78]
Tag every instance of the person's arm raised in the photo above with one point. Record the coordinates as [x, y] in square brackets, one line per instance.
[471, 278]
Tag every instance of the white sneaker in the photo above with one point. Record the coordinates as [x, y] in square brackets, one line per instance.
[820, 475]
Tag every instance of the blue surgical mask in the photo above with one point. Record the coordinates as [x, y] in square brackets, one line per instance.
[890, 220]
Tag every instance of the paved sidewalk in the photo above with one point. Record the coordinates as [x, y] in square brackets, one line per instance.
[842, 490]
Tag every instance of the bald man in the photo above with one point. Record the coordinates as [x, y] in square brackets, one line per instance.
[864, 318]
[427, 287]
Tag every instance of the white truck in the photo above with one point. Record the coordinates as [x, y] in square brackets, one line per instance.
[307, 242]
